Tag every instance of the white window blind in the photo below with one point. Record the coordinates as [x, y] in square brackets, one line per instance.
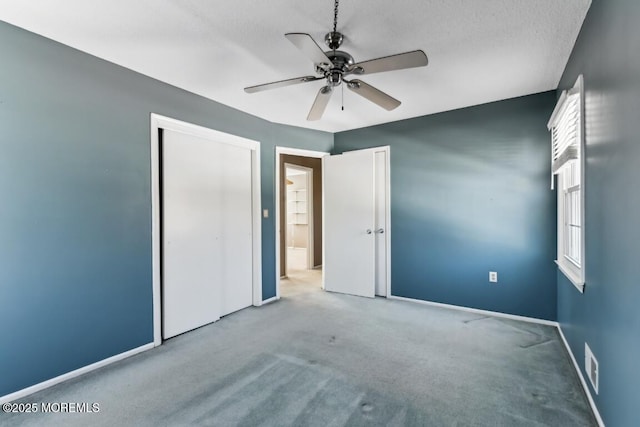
[565, 127]
[565, 133]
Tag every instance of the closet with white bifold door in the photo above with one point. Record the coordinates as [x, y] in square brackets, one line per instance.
[207, 230]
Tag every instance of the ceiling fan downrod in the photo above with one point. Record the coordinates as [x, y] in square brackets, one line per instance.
[334, 38]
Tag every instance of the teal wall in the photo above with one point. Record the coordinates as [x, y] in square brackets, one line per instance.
[470, 193]
[606, 316]
[75, 216]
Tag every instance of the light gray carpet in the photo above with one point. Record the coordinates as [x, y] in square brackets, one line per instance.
[322, 359]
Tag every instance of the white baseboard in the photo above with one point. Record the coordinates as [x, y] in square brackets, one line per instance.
[582, 380]
[69, 375]
[478, 311]
[270, 300]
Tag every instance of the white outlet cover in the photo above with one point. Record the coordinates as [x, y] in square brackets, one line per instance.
[493, 276]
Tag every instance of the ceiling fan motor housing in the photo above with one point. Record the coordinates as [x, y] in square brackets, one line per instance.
[340, 59]
[340, 63]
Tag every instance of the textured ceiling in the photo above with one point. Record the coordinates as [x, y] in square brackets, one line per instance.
[479, 50]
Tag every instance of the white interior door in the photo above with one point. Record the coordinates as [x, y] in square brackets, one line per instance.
[191, 232]
[349, 218]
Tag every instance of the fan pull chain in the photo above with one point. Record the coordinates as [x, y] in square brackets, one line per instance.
[342, 87]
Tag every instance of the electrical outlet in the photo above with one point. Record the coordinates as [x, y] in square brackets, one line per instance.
[493, 276]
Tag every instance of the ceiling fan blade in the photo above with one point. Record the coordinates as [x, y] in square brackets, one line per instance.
[319, 105]
[372, 94]
[309, 47]
[281, 83]
[416, 58]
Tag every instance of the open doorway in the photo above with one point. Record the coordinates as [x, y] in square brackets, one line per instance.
[353, 255]
[298, 213]
[299, 219]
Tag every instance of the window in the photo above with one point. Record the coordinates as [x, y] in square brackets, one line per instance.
[566, 126]
[572, 218]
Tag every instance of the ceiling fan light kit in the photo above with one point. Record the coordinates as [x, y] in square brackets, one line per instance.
[333, 65]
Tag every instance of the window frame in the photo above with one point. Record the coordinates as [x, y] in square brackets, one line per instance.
[574, 271]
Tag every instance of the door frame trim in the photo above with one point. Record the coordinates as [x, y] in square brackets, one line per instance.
[387, 226]
[161, 122]
[296, 152]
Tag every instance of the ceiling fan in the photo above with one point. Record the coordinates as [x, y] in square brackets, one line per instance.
[334, 65]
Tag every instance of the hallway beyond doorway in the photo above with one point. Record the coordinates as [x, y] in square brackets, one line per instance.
[296, 259]
[299, 279]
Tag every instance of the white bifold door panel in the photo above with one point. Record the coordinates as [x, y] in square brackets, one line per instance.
[349, 221]
[206, 231]
[236, 209]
